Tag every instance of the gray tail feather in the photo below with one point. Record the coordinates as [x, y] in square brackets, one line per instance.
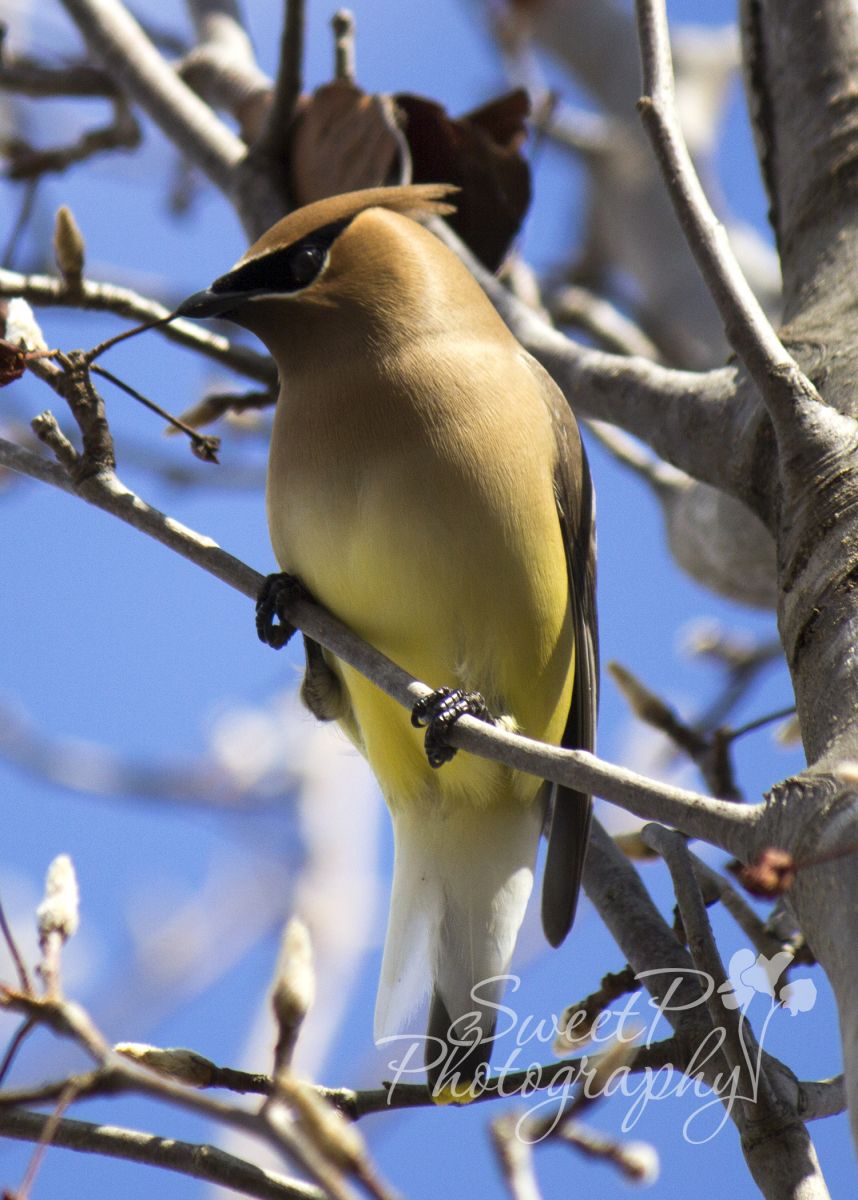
[457, 1054]
[564, 862]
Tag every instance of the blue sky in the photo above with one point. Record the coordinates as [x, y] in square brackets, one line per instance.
[111, 641]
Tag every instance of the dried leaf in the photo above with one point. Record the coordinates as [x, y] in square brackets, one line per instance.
[343, 140]
[480, 152]
[13, 362]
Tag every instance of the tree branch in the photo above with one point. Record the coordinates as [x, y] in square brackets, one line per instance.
[274, 138]
[130, 58]
[775, 1141]
[50, 291]
[782, 386]
[725, 825]
[186, 1158]
[222, 68]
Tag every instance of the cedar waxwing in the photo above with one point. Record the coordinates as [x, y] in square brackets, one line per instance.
[427, 484]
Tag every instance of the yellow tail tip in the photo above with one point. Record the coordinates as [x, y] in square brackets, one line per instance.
[457, 1093]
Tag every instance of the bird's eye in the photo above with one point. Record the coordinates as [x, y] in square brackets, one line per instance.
[305, 263]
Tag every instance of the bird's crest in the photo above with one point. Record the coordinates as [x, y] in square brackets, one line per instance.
[415, 200]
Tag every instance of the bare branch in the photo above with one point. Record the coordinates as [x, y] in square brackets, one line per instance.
[724, 824]
[516, 1159]
[754, 929]
[273, 140]
[204, 446]
[17, 956]
[20, 1036]
[222, 68]
[710, 753]
[822, 1098]
[343, 25]
[186, 1158]
[784, 1159]
[130, 58]
[602, 320]
[782, 386]
[71, 1021]
[122, 133]
[704, 951]
[28, 77]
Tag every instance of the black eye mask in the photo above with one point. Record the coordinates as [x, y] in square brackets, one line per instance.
[287, 270]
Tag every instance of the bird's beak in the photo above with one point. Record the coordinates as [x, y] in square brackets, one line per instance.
[209, 304]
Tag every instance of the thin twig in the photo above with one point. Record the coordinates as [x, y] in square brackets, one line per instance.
[28, 77]
[205, 446]
[47, 430]
[576, 1024]
[710, 753]
[287, 88]
[343, 25]
[45, 1141]
[25, 212]
[741, 659]
[21, 1033]
[637, 1161]
[17, 957]
[102, 347]
[759, 723]
[218, 404]
[123, 133]
[71, 1021]
[539, 1077]
[597, 316]
[738, 1040]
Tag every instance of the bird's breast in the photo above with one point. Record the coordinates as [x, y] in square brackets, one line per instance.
[419, 508]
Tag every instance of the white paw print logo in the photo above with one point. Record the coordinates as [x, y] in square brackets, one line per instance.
[755, 975]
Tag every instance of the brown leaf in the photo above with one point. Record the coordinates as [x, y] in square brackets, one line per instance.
[342, 140]
[481, 153]
[13, 362]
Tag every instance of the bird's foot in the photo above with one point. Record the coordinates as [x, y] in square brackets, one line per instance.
[271, 624]
[439, 711]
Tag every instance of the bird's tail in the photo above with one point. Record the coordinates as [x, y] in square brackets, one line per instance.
[462, 878]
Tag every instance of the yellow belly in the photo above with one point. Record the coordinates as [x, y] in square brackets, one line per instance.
[451, 567]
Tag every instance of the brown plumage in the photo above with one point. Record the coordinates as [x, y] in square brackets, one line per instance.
[428, 485]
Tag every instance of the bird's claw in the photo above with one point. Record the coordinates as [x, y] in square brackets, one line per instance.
[440, 710]
[272, 626]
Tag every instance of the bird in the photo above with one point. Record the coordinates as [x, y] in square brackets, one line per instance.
[427, 484]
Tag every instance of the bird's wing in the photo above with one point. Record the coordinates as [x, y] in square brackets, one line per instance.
[569, 811]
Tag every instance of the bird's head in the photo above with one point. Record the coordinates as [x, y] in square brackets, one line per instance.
[352, 254]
